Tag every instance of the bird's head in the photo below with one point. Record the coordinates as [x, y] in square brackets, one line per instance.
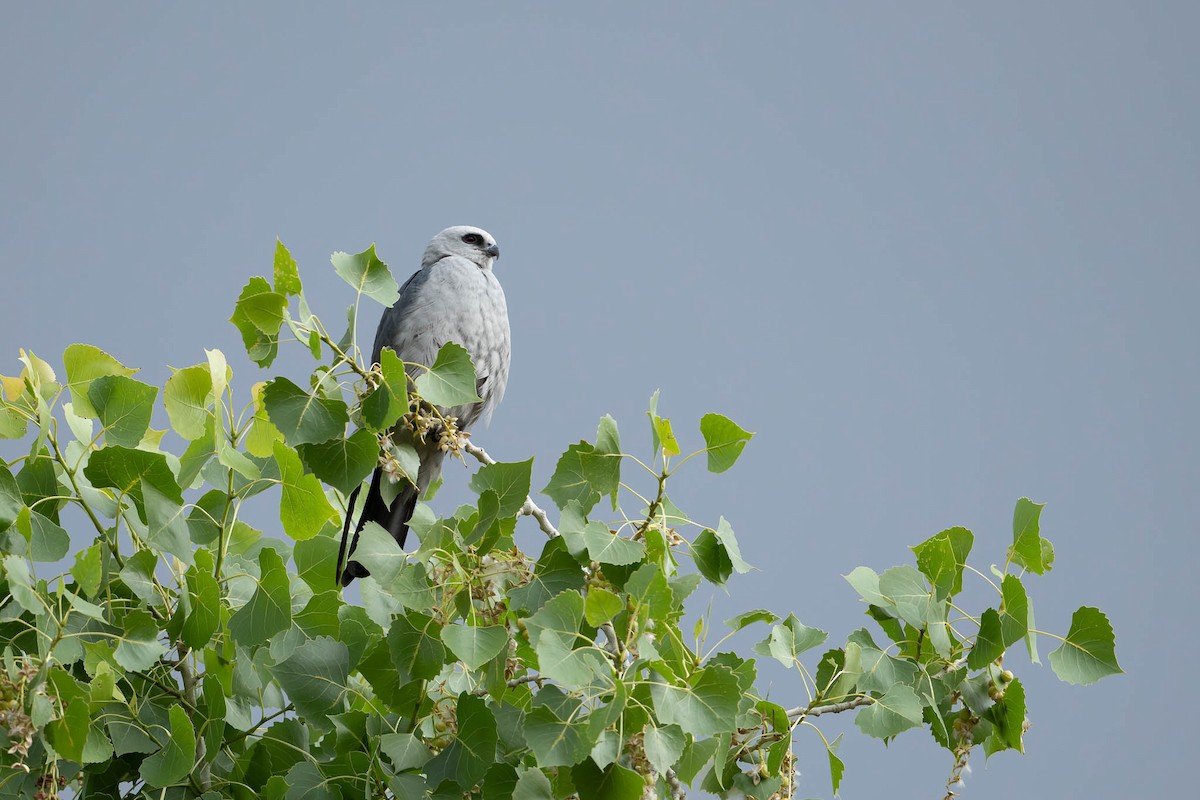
[474, 244]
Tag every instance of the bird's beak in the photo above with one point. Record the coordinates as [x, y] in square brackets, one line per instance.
[493, 251]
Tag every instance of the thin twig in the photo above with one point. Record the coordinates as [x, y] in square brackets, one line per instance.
[515, 682]
[677, 790]
[800, 712]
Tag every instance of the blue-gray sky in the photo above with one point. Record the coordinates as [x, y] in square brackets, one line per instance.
[937, 256]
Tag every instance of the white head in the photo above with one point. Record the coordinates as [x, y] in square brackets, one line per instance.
[474, 244]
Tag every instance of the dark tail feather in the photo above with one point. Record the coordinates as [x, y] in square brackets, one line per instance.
[394, 520]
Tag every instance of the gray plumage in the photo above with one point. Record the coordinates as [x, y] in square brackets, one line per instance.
[454, 297]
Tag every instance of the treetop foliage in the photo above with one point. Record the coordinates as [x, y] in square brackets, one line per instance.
[179, 652]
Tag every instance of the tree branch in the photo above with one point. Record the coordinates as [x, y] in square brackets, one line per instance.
[677, 790]
[530, 508]
[800, 712]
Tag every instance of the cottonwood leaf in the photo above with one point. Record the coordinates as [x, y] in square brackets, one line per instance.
[84, 363]
[342, 463]
[314, 677]
[123, 406]
[1089, 651]
[473, 749]
[475, 646]
[173, 762]
[303, 507]
[269, 609]
[896, 711]
[724, 440]
[367, 275]
[302, 417]
[187, 395]
[450, 380]
[706, 706]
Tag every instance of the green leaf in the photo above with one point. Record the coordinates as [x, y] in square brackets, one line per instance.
[139, 648]
[138, 575]
[724, 441]
[269, 609]
[415, 645]
[711, 557]
[69, 734]
[706, 706]
[379, 553]
[570, 481]
[601, 605]
[724, 533]
[905, 589]
[788, 640]
[1008, 716]
[837, 767]
[896, 711]
[343, 463]
[747, 618]
[532, 784]
[1029, 549]
[11, 501]
[389, 401]
[450, 380]
[39, 483]
[87, 570]
[305, 781]
[475, 646]
[204, 596]
[258, 315]
[125, 469]
[510, 482]
[597, 540]
[614, 782]
[303, 507]
[367, 275]
[555, 742]
[562, 614]
[404, 750]
[303, 418]
[1014, 610]
[166, 525]
[20, 584]
[941, 559]
[173, 762]
[187, 396]
[473, 749]
[664, 745]
[559, 661]
[1089, 651]
[666, 436]
[314, 677]
[989, 643]
[84, 363]
[313, 557]
[287, 277]
[260, 439]
[47, 540]
[123, 406]
[865, 581]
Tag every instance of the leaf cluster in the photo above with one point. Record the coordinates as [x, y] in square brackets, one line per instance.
[183, 653]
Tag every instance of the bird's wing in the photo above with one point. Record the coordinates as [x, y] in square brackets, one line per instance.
[407, 327]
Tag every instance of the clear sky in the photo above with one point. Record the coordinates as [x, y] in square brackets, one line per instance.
[937, 256]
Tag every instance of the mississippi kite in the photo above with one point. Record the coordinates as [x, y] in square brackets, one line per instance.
[454, 297]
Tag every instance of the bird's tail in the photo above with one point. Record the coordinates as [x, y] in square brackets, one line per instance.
[394, 520]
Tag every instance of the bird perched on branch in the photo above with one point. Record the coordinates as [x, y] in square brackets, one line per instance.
[454, 297]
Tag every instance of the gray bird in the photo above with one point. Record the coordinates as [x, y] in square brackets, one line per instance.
[454, 297]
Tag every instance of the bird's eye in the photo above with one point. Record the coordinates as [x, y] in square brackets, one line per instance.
[472, 238]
